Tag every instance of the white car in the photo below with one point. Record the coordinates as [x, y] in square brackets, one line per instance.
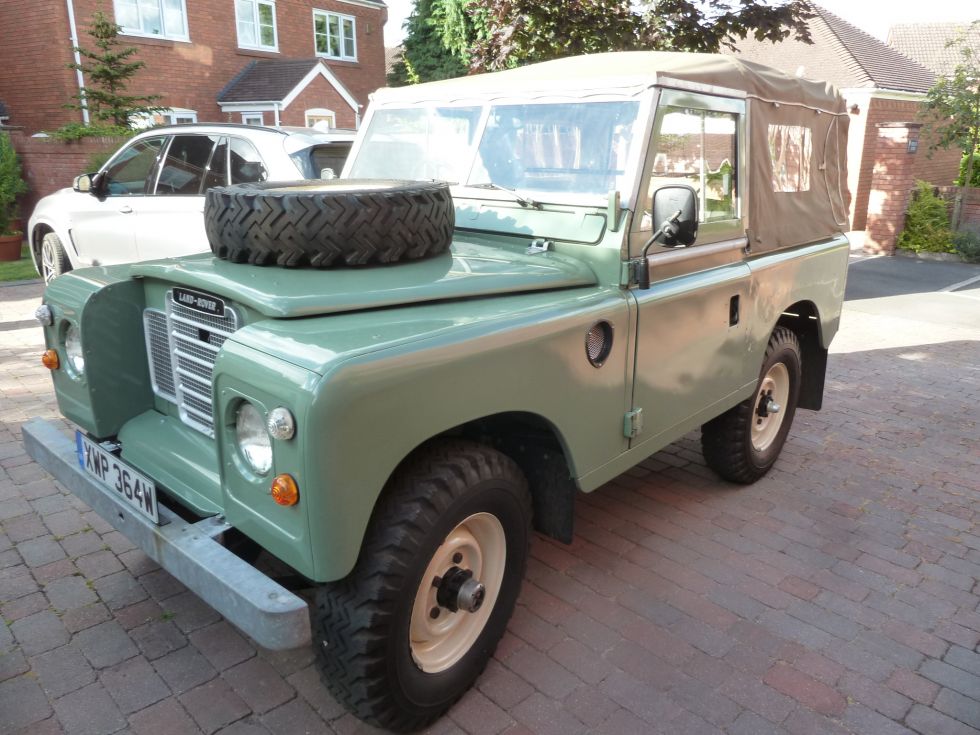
[147, 201]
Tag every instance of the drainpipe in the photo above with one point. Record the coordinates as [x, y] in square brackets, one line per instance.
[276, 109]
[78, 59]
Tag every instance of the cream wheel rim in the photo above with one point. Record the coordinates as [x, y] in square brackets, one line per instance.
[774, 389]
[438, 641]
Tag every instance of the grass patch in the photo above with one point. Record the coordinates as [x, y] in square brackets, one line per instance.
[18, 270]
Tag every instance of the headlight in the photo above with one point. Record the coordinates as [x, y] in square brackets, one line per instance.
[73, 349]
[253, 440]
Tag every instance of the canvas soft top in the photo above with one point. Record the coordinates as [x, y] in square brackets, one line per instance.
[778, 106]
[626, 70]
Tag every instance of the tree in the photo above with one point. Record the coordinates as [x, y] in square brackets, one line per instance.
[425, 58]
[952, 111]
[510, 33]
[109, 70]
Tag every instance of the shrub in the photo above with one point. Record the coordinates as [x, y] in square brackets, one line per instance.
[11, 184]
[967, 245]
[976, 171]
[926, 223]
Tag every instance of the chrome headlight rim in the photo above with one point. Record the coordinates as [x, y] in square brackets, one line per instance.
[74, 355]
[252, 438]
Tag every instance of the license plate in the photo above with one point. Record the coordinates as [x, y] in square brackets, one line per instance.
[131, 486]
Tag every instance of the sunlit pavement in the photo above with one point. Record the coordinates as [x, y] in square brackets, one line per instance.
[838, 594]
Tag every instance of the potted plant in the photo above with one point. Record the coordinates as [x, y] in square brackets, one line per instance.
[11, 185]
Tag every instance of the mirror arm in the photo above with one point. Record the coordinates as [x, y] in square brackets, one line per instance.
[669, 227]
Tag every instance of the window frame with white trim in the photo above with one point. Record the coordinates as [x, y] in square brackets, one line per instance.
[123, 10]
[250, 118]
[341, 19]
[256, 22]
[316, 115]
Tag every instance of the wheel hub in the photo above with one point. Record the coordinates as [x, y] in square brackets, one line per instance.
[773, 395]
[458, 590]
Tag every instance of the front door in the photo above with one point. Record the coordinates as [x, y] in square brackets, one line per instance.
[691, 360]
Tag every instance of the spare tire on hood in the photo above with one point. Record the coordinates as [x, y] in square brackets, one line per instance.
[326, 223]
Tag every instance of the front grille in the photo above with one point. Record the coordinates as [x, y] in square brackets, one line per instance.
[182, 345]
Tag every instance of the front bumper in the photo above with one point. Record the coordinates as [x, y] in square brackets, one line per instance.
[274, 617]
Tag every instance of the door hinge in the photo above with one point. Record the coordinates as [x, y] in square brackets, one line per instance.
[633, 423]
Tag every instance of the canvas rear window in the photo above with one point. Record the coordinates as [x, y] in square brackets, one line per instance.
[790, 151]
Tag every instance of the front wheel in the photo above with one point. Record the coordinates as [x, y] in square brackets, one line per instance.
[54, 260]
[743, 443]
[409, 630]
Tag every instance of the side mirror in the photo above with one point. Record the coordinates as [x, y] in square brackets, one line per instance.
[675, 212]
[89, 183]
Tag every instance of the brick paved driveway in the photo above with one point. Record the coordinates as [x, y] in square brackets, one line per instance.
[839, 594]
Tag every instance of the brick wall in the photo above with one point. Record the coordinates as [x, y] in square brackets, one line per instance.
[50, 165]
[891, 181]
[320, 93]
[35, 46]
[970, 212]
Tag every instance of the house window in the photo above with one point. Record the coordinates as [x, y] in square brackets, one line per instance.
[253, 118]
[161, 18]
[257, 24]
[333, 35]
[321, 119]
[178, 116]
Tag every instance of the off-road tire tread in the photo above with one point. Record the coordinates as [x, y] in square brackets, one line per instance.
[285, 225]
[724, 439]
[354, 613]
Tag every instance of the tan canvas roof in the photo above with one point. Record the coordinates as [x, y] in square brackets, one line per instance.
[628, 70]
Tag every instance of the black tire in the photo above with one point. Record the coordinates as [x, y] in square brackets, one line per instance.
[329, 223]
[361, 624]
[727, 441]
[52, 259]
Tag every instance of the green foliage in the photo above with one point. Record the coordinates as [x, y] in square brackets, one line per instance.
[964, 164]
[966, 244]
[518, 32]
[447, 37]
[76, 131]
[952, 107]
[109, 69]
[926, 223]
[425, 58]
[11, 184]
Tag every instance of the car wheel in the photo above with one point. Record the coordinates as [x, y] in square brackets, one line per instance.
[743, 443]
[329, 223]
[413, 625]
[54, 261]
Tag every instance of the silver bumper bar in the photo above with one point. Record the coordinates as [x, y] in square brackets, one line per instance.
[273, 616]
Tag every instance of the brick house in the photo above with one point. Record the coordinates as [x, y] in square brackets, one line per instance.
[293, 62]
[884, 90]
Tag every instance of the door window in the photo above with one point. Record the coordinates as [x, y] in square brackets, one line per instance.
[217, 174]
[698, 148]
[183, 170]
[126, 174]
[245, 164]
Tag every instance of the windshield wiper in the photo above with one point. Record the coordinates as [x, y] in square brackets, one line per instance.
[523, 199]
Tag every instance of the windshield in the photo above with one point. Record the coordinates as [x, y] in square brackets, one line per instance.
[568, 147]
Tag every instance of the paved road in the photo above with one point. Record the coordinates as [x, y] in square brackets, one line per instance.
[839, 594]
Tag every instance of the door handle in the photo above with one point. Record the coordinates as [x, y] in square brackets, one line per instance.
[733, 311]
[126, 209]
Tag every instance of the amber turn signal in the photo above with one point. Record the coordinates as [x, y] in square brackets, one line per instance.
[50, 360]
[284, 490]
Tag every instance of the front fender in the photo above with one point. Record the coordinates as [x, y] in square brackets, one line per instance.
[524, 354]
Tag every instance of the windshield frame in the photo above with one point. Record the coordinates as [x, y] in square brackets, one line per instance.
[632, 170]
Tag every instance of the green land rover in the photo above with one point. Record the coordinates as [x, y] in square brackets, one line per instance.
[524, 284]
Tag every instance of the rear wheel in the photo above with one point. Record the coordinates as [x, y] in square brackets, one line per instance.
[413, 625]
[54, 261]
[743, 443]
